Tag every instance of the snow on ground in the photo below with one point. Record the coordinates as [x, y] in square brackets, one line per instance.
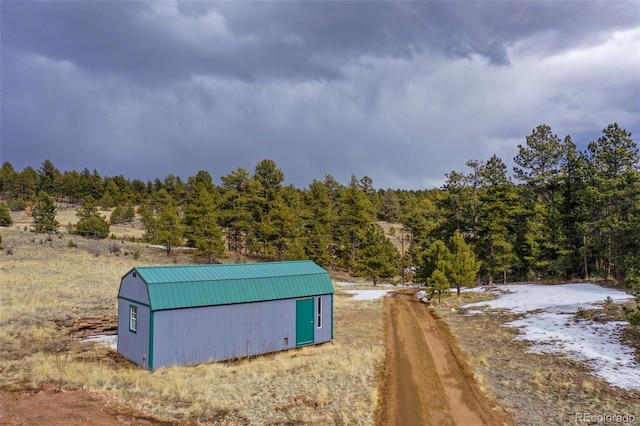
[565, 298]
[350, 284]
[367, 294]
[110, 341]
[548, 321]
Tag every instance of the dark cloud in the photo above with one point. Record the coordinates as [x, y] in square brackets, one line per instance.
[398, 91]
[286, 40]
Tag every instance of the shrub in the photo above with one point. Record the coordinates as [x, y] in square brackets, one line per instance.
[122, 214]
[608, 303]
[71, 244]
[93, 227]
[633, 315]
[5, 217]
[18, 204]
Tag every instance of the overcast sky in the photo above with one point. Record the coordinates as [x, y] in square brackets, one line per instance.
[400, 92]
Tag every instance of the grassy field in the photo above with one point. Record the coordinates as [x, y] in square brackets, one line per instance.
[47, 281]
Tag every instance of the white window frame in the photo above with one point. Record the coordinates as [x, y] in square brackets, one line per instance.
[319, 314]
[133, 318]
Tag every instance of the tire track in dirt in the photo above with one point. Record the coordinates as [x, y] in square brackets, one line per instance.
[425, 380]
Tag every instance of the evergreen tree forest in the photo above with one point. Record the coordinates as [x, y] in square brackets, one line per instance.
[560, 214]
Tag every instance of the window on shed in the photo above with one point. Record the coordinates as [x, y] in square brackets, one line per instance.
[319, 320]
[133, 318]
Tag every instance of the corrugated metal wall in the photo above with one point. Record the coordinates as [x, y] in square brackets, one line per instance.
[214, 333]
[133, 288]
[324, 333]
[134, 346]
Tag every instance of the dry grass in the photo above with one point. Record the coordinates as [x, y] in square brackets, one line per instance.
[44, 282]
[540, 389]
[66, 214]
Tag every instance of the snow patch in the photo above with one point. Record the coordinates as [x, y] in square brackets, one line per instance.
[108, 340]
[367, 294]
[565, 298]
[351, 284]
[549, 323]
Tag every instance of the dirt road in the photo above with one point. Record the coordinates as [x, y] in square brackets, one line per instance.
[425, 378]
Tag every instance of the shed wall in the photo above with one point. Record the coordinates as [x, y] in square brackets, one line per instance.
[324, 333]
[133, 288]
[215, 333]
[134, 345]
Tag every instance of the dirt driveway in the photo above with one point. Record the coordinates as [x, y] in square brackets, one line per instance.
[425, 378]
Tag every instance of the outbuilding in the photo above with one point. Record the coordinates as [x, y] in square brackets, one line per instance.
[183, 315]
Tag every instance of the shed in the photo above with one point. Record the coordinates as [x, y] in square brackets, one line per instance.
[190, 314]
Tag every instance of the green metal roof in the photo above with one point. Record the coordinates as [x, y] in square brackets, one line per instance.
[174, 287]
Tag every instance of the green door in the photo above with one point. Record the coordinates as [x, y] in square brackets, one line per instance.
[304, 321]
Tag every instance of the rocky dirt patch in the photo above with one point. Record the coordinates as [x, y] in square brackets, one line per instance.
[49, 404]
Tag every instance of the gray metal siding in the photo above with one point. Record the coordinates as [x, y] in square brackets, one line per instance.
[133, 288]
[134, 346]
[323, 334]
[215, 333]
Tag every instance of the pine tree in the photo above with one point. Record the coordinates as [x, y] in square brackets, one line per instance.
[281, 227]
[355, 216]
[463, 267]
[438, 283]
[71, 186]
[27, 184]
[43, 213]
[207, 237]
[8, 179]
[540, 168]
[436, 256]
[238, 206]
[496, 228]
[50, 179]
[614, 194]
[322, 222]
[317, 246]
[377, 257]
[199, 204]
[169, 229]
[5, 216]
[90, 223]
[122, 214]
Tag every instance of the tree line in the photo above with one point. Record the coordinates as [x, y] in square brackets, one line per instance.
[561, 214]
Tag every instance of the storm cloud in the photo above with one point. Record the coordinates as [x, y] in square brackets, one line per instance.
[402, 92]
